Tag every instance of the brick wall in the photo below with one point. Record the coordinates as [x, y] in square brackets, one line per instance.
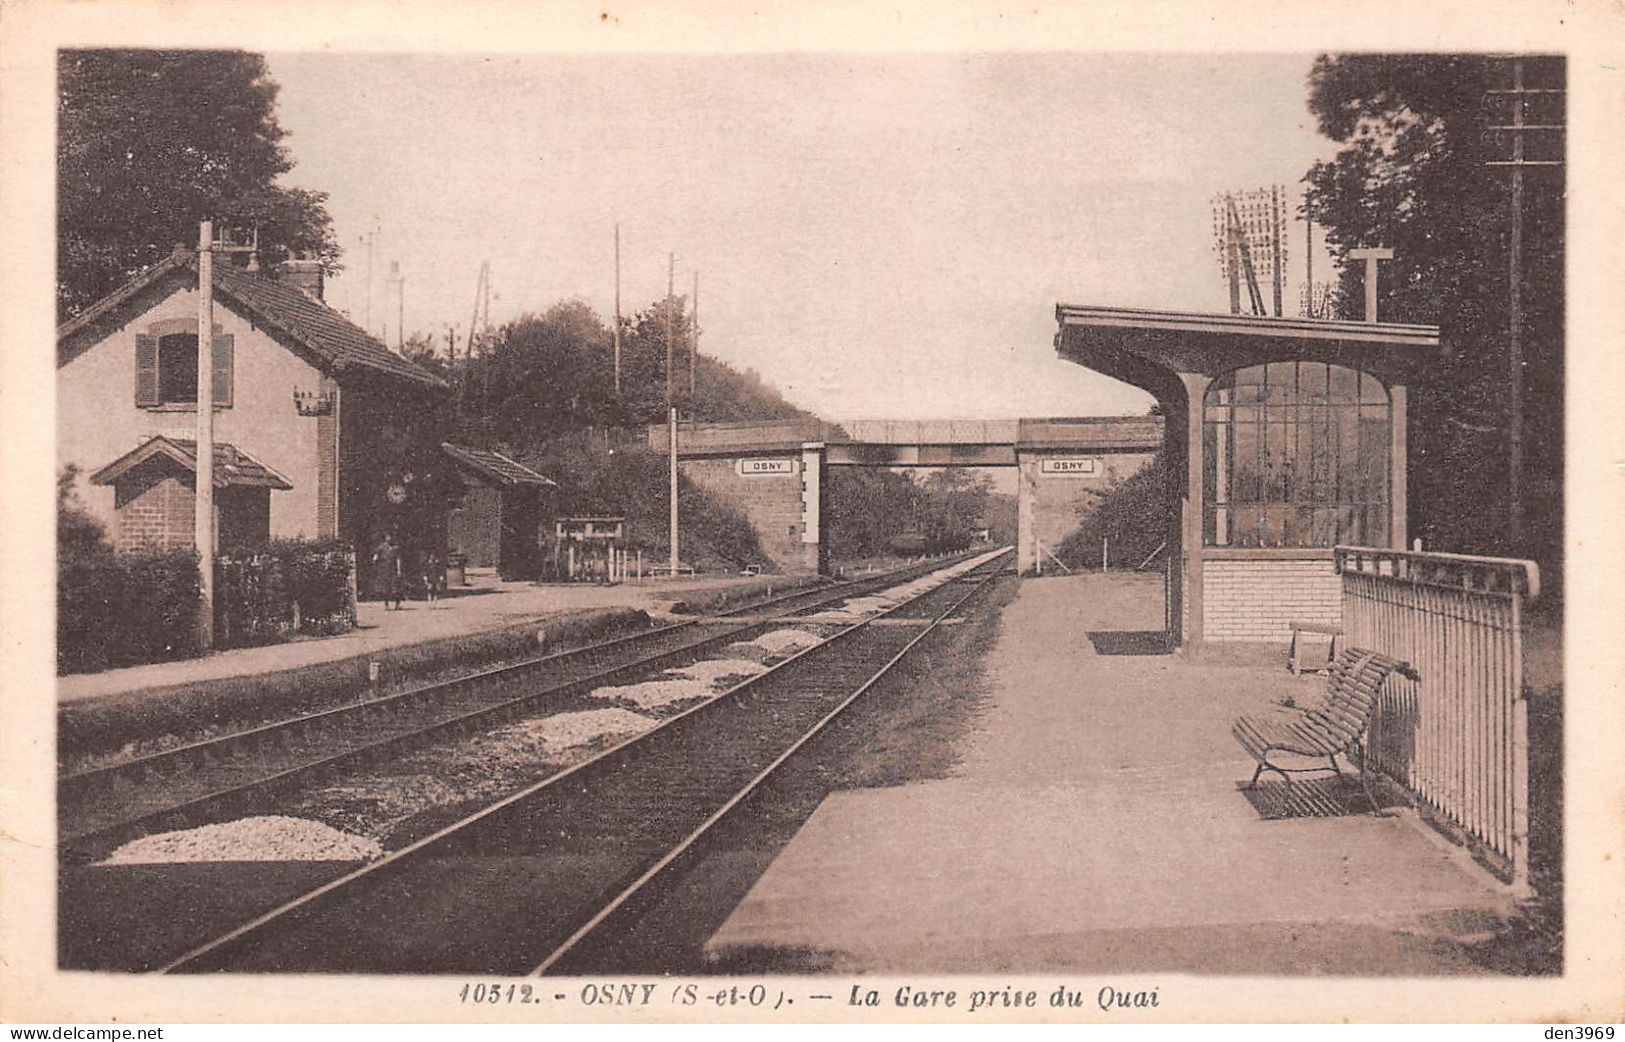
[771, 502]
[475, 526]
[1256, 600]
[155, 512]
[327, 465]
[1053, 506]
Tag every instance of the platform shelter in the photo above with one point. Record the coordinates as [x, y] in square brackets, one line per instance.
[1284, 438]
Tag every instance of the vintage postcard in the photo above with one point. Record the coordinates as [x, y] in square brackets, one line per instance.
[687, 513]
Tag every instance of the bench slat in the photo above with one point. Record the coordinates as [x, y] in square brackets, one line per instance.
[1353, 685]
[1336, 732]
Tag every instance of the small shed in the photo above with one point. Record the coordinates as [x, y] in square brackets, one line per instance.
[497, 522]
[582, 548]
[155, 489]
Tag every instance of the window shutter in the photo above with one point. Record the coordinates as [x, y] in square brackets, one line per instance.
[146, 371]
[220, 374]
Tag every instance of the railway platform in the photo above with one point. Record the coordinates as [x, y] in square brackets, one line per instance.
[1095, 821]
[488, 604]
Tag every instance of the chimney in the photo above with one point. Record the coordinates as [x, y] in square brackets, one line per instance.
[304, 274]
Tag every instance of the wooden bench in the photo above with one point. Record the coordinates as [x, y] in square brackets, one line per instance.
[1336, 724]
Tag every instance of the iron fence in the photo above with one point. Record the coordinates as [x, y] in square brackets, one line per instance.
[1457, 738]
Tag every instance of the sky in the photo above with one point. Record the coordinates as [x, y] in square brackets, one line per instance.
[880, 236]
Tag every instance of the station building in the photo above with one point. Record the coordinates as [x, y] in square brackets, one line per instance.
[321, 431]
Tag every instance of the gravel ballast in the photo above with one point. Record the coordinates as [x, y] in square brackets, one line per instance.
[655, 694]
[271, 838]
[714, 670]
[568, 730]
[781, 642]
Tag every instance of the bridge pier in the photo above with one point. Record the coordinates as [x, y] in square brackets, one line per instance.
[814, 550]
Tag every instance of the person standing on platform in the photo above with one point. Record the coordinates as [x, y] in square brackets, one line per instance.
[387, 559]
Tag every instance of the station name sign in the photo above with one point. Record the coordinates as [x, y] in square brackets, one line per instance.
[1066, 466]
[756, 468]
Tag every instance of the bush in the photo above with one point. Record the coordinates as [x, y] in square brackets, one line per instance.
[286, 588]
[125, 609]
[1131, 513]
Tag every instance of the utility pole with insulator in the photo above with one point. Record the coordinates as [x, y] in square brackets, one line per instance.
[399, 282]
[671, 288]
[671, 412]
[1520, 127]
[203, 477]
[617, 308]
[694, 344]
[203, 520]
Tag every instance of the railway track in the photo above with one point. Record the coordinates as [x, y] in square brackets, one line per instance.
[229, 775]
[520, 885]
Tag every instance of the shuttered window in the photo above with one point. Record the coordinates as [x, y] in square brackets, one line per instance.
[146, 371]
[166, 370]
[177, 369]
[221, 373]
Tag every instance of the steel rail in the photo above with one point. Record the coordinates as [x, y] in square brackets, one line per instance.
[688, 842]
[215, 953]
[228, 748]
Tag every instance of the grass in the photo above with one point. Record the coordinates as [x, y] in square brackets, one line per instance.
[702, 602]
[129, 723]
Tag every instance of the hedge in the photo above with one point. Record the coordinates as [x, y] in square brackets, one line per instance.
[286, 588]
[137, 607]
[125, 609]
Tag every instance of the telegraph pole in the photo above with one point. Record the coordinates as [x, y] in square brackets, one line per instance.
[671, 288]
[694, 343]
[617, 308]
[203, 484]
[1550, 119]
[369, 238]
[1308, 259]
[671, 411]
[399, 280]
[1276, 206]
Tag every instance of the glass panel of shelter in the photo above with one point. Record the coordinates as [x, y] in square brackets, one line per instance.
[1306, 466]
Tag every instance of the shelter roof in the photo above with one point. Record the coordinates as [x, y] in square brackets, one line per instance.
[494, 467]
[232, 466]
[1146, 347]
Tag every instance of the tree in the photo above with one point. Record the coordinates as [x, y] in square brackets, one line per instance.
[1412, 175]
[149, 143]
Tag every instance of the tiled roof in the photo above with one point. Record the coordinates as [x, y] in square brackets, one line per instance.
[232, 466]
[494, 466]
[334, 339]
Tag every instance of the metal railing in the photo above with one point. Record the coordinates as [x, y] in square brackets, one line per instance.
[1458, 737]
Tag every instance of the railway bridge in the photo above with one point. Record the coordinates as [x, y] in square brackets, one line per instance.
[776, 470]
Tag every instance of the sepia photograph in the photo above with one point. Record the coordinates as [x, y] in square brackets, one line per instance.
[849, 531]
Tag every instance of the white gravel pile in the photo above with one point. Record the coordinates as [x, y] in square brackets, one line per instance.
[781, 642]
[714, 670]
[833, 615]
[567, 730]
[273, 838]
[653, 694]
